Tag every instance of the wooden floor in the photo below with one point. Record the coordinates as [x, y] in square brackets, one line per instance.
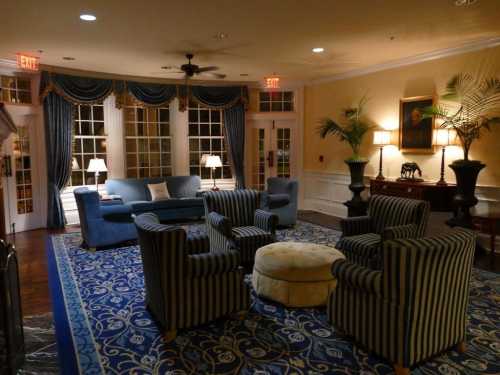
[31, 249]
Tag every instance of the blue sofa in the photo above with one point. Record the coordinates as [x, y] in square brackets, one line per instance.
[186, 201]
[103, 224]
[282, 199]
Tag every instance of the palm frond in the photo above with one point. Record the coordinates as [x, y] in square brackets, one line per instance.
[329, 127]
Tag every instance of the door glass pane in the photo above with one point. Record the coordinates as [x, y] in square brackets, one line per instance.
[22, 164]
[283, 152]
[259, 160]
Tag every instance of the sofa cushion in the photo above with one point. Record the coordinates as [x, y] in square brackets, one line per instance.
[145, 206]
[129, 189]
[183, 186]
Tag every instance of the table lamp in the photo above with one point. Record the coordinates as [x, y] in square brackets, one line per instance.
[74, 164]
[213, 161]
[97, 166]
[381, 138]
[444, 137]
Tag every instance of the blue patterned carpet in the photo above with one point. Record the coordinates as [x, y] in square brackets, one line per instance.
[103, 327]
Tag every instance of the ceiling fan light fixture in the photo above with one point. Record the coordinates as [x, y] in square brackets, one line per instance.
[318, 50]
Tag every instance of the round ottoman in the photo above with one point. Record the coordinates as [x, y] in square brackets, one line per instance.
[295, 274]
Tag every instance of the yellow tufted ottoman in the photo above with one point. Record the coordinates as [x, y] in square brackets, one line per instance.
[295, 274]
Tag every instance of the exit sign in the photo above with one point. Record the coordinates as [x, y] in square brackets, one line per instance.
[27, 62]
[272, 82]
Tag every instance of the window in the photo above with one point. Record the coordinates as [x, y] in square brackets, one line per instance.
[89, 142]
[22, 159]
[147, 141]
[15, 89]
[206, 136]
[276, 101]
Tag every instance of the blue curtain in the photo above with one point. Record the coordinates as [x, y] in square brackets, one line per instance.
[58, 114]
[152, 94]
[234, 125]
[231, 99]
[78, 90]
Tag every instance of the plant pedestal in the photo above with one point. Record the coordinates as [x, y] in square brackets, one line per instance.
[466, 172]
[356, 206]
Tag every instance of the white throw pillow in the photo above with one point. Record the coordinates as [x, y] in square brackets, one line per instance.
[159, 191]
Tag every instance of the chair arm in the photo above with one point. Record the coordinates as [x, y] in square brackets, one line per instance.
[111, 202]
[197, 244]
[358, 276]
[266, 221]
[200, 193]
[221, 224]
[352, 226]
[278, 200]
[400, 231]
[200, 265]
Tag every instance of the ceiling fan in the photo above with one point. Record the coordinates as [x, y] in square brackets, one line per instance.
[190, 70]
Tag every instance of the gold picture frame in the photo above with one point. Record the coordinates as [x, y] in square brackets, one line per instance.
[416, 134]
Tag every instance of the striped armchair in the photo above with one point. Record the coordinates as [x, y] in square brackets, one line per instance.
[186, 285]
[414, 308]
[388, 218]
[234, 221]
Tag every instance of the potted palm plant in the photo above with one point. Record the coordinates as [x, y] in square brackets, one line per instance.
[353, 133]
[474, 105]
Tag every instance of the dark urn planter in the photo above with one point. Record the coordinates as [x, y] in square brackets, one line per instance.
[466, 172]
[356, 206]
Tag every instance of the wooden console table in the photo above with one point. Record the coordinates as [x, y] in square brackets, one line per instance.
[487, 220]
[440, 197]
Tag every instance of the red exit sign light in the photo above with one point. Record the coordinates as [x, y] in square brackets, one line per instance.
[26, 62]
[272, 82]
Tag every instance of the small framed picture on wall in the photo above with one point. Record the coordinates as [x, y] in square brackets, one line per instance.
[415, 133]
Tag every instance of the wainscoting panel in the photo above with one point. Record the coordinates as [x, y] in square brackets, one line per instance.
[326, 192]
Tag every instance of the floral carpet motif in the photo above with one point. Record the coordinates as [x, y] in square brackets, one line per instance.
[104, 298]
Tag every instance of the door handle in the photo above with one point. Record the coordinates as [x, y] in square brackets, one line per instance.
[7, 166]
[270, 159]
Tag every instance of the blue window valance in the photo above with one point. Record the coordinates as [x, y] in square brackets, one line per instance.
[87, 90]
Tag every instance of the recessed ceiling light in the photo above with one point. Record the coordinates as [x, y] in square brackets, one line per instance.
[87, 17]
[462, 3]
[68, 58]
[318, 49]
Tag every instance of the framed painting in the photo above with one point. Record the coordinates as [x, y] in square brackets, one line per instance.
[415, 133]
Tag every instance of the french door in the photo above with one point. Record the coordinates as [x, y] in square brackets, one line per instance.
[273, 151]
[20, 179]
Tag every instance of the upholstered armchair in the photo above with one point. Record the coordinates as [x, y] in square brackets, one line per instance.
[186, 285]
[102, 224]
[282, 198]
[388, 218]
[415, 307]
[234, 221]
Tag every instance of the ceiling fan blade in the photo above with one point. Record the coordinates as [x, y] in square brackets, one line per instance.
[214, 75]
[208, 69]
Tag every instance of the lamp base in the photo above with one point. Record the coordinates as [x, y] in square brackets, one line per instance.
[215, 188]
[441, 183]
[380, 177]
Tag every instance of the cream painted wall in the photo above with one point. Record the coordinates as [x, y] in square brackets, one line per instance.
[385, 89]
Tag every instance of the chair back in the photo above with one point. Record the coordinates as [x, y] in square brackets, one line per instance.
[426, 283]
[238, 205]
[88, 204]
[388, 211]
[280, 185]
[163, 258]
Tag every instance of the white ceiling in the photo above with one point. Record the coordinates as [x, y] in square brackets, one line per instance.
[264, 37]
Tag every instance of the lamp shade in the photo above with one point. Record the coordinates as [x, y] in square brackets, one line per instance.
[213, 161]
[445, 137]
[203, 159]
[74, 164]
[382, 137]
[97, 165]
